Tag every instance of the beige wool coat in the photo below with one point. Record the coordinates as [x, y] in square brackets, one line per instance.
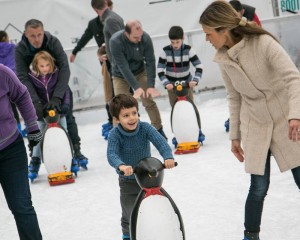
[263, 92]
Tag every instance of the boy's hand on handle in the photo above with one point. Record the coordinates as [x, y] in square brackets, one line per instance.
[237, 150]
[169, 86]
[169, 163]
[152, 92]
[126, 170]
[294, 130]
[192, 84]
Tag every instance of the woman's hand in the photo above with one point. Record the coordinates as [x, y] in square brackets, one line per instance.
[294, 130]
[237, 150]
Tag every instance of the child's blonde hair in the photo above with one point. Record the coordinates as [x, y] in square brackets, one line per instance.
[45, 56]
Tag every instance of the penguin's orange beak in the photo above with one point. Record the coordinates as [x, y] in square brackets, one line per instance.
[51, 113]
[179, 88]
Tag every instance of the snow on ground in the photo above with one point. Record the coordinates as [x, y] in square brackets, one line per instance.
[209, 188]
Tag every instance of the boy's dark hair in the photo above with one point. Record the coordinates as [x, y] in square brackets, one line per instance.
[3, 36]
[98, 4]
[236, 5]
[176, 32]
[120, 102]
[33, 23]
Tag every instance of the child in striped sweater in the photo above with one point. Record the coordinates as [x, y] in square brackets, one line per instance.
[174, 64]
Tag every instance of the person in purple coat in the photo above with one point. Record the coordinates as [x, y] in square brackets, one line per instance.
[44, 77]
[7, 58]
[7, 51]
[13, 156]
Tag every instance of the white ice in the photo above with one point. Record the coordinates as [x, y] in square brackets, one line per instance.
[209, 188]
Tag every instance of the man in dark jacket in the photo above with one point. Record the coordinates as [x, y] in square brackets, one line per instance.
[112, 22]
[35, 39]
[95, 29]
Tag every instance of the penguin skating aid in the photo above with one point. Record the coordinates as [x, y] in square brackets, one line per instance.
[185, 121]
[57, 155]
[155, 215]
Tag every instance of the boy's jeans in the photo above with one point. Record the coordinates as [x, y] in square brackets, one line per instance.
[129, 190]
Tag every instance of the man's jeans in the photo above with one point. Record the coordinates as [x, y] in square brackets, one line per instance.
[15, 185]
[255, 200]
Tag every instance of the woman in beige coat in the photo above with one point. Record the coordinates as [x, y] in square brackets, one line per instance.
[263, 89]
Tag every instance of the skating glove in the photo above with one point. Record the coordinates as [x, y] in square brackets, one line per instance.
[34, 138]
[39, 110]
[65, 108]
[54, 103]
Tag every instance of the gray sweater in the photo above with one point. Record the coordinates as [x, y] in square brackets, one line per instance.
[112, 23]
[130, 59]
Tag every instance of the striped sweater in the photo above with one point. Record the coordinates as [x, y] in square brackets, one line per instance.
[174, 65]
[129, 148]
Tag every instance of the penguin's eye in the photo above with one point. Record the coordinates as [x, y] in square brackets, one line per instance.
[177, 83]
[182, 83]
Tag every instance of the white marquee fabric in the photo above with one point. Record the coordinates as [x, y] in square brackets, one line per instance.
[67, 19]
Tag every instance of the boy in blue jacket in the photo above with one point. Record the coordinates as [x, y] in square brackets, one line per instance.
[128, 143]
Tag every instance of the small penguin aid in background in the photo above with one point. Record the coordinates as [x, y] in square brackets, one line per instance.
[185, 121]
[155, 215]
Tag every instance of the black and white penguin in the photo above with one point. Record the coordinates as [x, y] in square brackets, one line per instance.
[155, 215]
[57, 151]
[185, 121]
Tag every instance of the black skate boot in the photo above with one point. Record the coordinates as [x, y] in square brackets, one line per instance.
[106, 127]
[201, 137]
[174, 141]
[161, 131]
[251, 235]
[74, 167]
[33, 168]
[79, 157]
[226, 125]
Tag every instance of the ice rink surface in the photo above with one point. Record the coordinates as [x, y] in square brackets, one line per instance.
[209, 187]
